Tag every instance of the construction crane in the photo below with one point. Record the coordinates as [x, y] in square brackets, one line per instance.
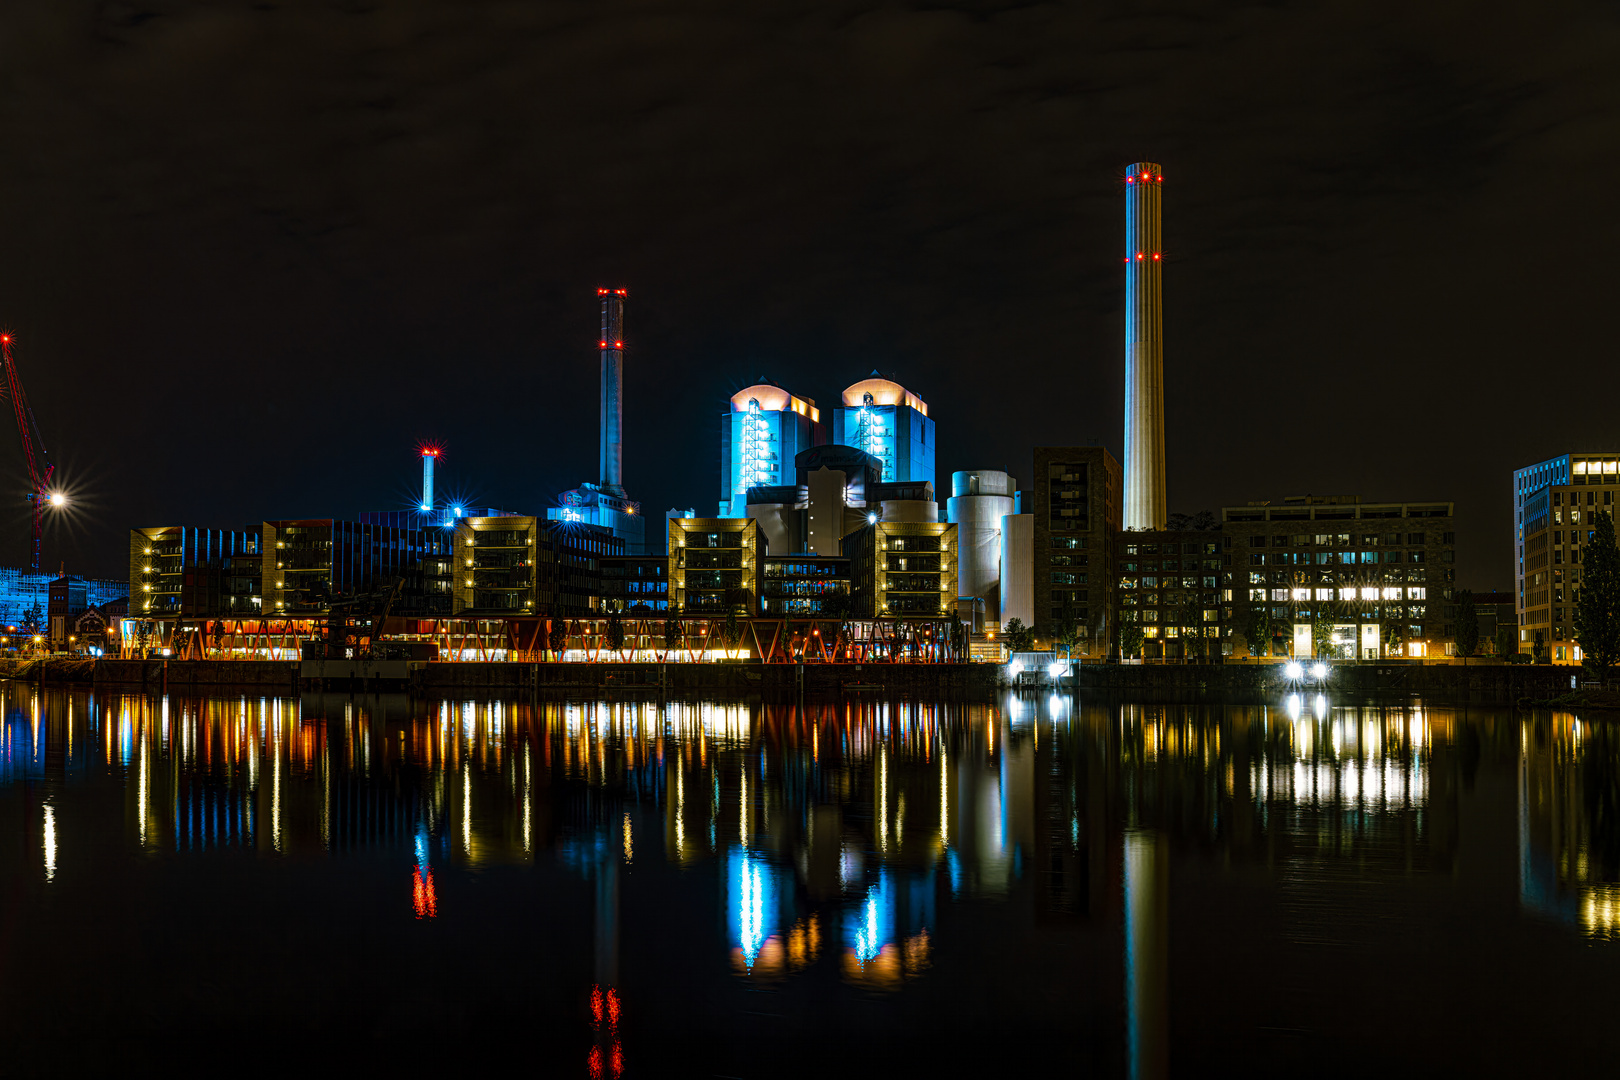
[39, 492]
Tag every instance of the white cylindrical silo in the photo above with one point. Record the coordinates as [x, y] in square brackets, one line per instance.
[1018, 568]
[980, 498]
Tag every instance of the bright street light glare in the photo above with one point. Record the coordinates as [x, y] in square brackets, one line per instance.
[58, 499]
[1319, 671]
[1293, 670]
[1055, 669]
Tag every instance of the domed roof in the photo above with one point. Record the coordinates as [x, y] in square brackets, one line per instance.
[773, 398]
[884, 392]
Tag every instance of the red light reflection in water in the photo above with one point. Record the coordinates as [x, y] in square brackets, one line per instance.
[605, 1025]
[423, 894]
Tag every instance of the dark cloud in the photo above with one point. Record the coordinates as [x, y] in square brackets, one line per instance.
[256, 250]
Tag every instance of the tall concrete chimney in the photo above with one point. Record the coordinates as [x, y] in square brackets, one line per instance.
[1146, 505]
[612, 346]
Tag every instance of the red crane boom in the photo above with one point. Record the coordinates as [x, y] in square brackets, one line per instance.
[38, 482]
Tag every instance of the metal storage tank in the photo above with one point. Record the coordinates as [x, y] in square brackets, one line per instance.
[980, 499]
[1018, 568]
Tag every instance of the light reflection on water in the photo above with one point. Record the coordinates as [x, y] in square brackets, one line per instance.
[864, 848]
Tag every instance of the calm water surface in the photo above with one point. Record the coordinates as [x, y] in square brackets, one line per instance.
[641, 889]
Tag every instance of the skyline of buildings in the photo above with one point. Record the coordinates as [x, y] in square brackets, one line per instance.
[1087, 548]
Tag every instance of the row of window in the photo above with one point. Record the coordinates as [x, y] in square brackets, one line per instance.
[1344, 558]
[1365, 592]
[1575, 498]
[1345, 540]
[1208, 547]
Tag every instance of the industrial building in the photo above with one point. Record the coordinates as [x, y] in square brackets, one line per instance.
[1368, 568]
[891, 423]
[1074, 527]
[981, 501]
[837, 491]
[1554, 502]
[1146, 504]
[605, 504]
[761, 435]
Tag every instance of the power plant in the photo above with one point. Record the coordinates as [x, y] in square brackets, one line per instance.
[605, 503]
[1146, 505]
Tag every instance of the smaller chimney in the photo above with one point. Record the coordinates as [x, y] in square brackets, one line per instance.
[611, 344]
[430, 456]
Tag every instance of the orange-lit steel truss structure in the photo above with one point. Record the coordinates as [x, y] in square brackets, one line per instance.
[773, 640]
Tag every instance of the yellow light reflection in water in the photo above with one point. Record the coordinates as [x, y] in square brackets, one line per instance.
[49, 839]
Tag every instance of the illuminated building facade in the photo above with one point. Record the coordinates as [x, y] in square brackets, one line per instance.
[714, 565]
[1554, 503]
[1367, 568]
[1170, 584]
[884, 419]
[902, 568]
[308, 564]
[635, 583]
[801, 584]
[511, 566]
[761, 435]
[1075, 509]
[180, 570]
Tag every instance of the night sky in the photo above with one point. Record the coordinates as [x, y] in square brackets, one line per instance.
[254, 252]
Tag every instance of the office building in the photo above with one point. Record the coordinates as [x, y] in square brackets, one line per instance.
[638, 584]
[902, 569]
[1075, 502]
[714, 565]
[761, 435]
[1170, 584]
[1554, 502]
[310, 564]
[180, 570]
[800, 585]
[884, 419]
[515, 566]
[1374, 571]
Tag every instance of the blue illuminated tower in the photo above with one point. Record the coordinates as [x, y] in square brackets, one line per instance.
[760, 435]
[891, 423]
[1146, 505]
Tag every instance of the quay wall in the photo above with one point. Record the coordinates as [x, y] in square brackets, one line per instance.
[1259, 683]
